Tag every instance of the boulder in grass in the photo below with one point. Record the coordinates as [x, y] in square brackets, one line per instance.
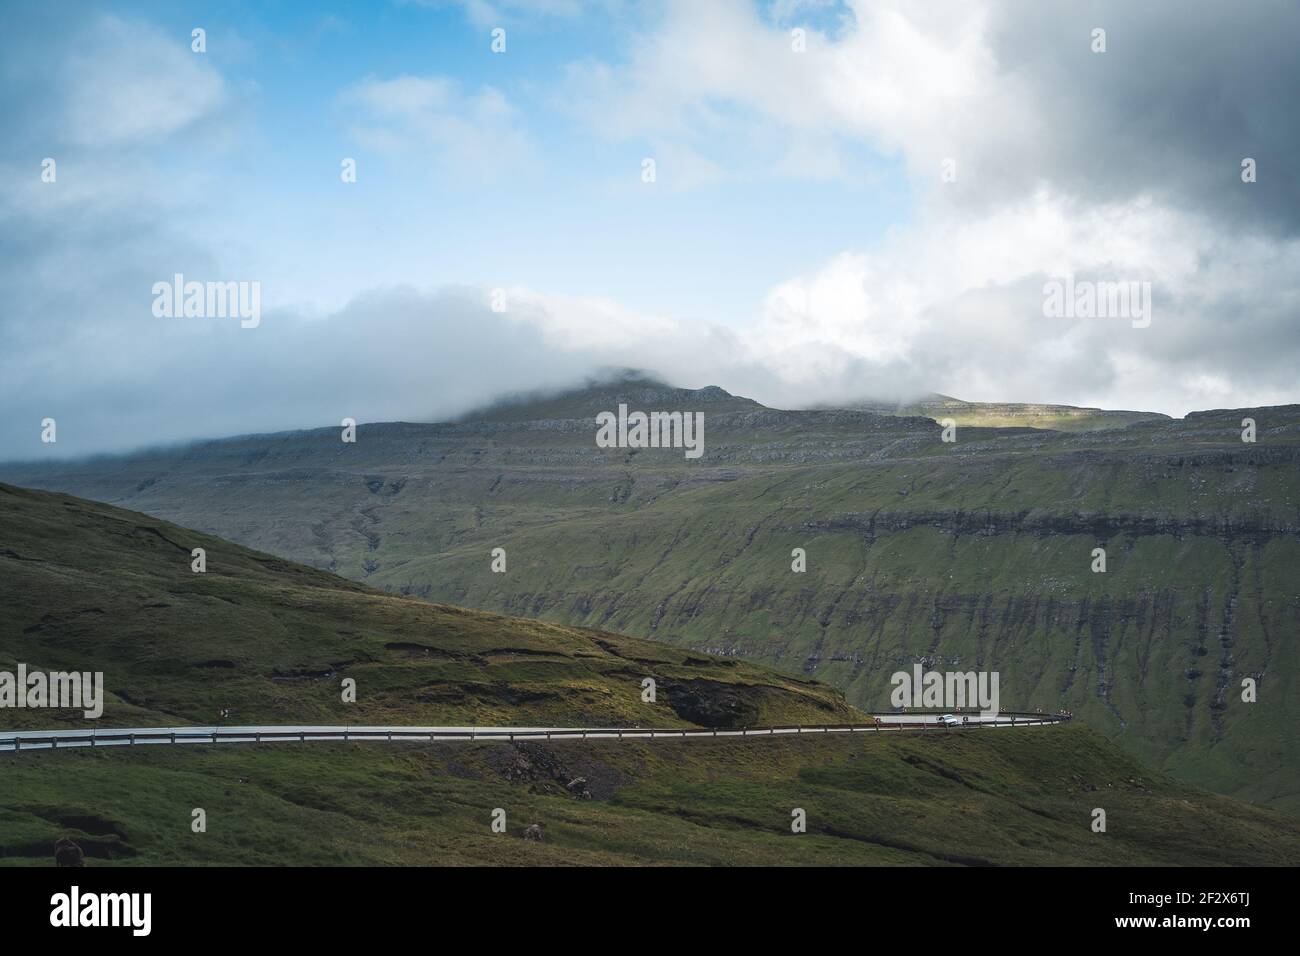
[67, 853]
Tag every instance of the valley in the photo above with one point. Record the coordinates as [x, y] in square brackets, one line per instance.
[971, 555]
[257, 639]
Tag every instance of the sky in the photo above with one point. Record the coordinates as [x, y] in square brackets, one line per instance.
[849, 200]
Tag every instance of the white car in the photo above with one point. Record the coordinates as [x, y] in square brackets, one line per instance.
[948, 720]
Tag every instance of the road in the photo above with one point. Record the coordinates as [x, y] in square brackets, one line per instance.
[25, 740]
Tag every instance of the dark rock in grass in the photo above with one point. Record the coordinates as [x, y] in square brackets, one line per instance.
[67, 853]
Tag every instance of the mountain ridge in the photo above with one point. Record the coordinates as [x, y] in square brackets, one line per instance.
[976, 551]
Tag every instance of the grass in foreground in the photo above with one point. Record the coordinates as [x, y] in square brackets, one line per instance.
[989, 797]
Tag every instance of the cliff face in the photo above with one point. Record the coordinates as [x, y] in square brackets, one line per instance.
[972, 555]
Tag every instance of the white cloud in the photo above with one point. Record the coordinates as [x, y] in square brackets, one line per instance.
[1012, 92]
[956, 305]
[915, 77]
[950, 300]
[1054, 178]
[131, 84]
[478, 134]
[576, 323]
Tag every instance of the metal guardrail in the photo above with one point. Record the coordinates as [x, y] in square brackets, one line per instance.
[23, 740]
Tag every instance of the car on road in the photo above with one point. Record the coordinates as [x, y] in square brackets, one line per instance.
[948, 720]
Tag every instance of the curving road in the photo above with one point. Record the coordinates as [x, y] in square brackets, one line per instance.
[24, 740]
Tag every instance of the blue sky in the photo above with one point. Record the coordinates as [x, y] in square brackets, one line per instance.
[870, 208]
[570, 214]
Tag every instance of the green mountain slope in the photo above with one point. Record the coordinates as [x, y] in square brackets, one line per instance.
[89, 586]
[987, 797]
[1065, 418]
[973, 555]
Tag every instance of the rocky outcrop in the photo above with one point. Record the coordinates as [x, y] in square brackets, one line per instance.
[1252, 528]
[67, 853]
[541, 768]
[709, 703]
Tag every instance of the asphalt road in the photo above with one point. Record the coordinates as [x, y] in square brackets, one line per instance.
[25, 740]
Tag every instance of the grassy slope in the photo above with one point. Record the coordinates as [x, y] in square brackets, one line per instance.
[975, 554]
[1065, 418]
[1153, 651]
[1023, 797]
[94, 588]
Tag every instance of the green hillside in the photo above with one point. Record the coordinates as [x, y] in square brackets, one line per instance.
[1065, 418]
[975, 554]
[93, 587]
[1023, 797]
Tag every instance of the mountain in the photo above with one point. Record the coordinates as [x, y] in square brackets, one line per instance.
[1065, 418]
[633, 389]
[93, 587]
[89, 587]
[976, 554]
